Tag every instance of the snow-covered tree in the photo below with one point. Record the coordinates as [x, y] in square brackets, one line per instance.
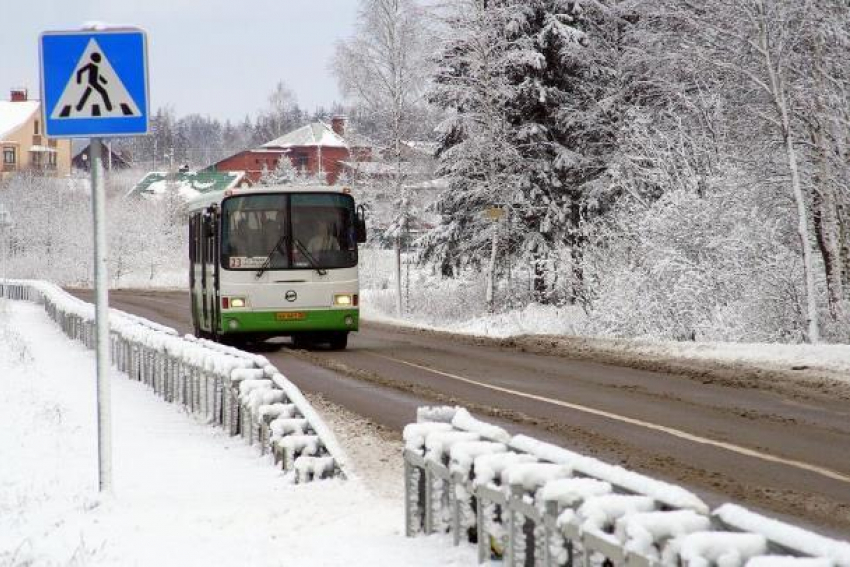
[529, 127]
[762, 44]
[478, 155]
[284, 173]
[384, 68]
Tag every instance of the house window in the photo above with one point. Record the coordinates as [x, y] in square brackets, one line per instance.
[35, 128]
[301, 162]
[9, 156]
[51, 159]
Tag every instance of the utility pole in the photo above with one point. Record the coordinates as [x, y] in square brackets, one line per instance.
[5, 225]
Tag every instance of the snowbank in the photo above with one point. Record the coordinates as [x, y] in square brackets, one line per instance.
[202, 375]
[185, 494]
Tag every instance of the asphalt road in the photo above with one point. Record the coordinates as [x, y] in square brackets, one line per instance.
[785, 454]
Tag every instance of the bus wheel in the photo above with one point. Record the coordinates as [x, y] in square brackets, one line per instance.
[300, 341]
[338, 341]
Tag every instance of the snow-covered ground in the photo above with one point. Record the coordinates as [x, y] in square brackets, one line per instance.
[532, 319]
[185, 494]
[556, 326]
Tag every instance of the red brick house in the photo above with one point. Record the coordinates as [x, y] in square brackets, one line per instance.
[315, 148]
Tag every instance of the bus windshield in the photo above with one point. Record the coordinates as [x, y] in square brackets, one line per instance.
[288, 231]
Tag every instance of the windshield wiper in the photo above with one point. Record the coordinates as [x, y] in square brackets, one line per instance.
[267, 262]
[309, 257]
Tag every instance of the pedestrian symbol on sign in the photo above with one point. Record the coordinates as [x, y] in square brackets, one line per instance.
[93, 78]
[94, 74]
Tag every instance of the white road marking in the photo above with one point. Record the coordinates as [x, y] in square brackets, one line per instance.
[828, 473]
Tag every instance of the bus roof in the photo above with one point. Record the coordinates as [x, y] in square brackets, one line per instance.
[215, 197]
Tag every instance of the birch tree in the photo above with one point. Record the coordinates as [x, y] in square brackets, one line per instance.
[384, 68]
[758, 42]
[825, 112]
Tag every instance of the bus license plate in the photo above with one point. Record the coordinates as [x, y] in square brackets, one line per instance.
[290, 316]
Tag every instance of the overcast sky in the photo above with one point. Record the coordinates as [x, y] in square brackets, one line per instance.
[216, 57]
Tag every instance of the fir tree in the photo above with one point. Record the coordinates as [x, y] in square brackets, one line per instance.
[284, 173]
[529, 128]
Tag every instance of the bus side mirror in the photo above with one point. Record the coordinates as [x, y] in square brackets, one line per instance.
[360, 225]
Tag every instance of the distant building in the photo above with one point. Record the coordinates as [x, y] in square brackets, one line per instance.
[23, 145]
[189, 184]
[315, 149]
[111, 159]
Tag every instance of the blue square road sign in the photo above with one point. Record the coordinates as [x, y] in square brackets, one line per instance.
[94, 83]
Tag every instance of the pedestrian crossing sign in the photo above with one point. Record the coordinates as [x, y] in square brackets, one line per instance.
[94, 83]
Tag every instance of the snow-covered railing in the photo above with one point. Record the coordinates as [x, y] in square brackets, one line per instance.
[238, 391]
[535, 504]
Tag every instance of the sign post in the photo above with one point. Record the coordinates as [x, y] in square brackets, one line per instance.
[94, 83]
[495, 214]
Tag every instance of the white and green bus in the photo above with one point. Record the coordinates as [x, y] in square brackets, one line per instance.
[275, 261]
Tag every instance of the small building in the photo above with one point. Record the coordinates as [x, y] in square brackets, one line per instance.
[111, 159]
[314, 149]
[22, 142]
[189, 184]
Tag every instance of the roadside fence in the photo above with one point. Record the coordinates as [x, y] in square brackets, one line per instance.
[530, 504]
[240, 392]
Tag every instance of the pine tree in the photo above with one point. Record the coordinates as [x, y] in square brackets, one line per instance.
[528, 129]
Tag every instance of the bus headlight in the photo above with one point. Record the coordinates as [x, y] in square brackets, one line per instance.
[233, 324]
[343, 299]
[237, 302]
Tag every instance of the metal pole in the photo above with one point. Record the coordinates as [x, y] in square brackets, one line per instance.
[104, 421]
[5, 225]
[398, 296]
[4, 248]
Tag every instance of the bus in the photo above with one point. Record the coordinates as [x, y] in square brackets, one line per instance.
[275, 261]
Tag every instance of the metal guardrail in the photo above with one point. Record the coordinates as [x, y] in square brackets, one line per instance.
[529, 503]
[240, 392]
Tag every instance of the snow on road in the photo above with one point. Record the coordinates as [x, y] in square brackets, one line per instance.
[185, 494]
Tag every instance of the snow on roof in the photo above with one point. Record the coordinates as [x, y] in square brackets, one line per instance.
[14, 114]
[315, 134]
[188, 184]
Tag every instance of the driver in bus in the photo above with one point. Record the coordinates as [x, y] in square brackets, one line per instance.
[322, 240]
[316, 234]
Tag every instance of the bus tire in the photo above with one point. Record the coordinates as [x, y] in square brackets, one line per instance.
[338, 340]
[300, 341]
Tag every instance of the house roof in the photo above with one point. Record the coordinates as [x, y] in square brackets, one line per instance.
[314, 134]
[188, 184]
[13, 115]
[83, 154]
